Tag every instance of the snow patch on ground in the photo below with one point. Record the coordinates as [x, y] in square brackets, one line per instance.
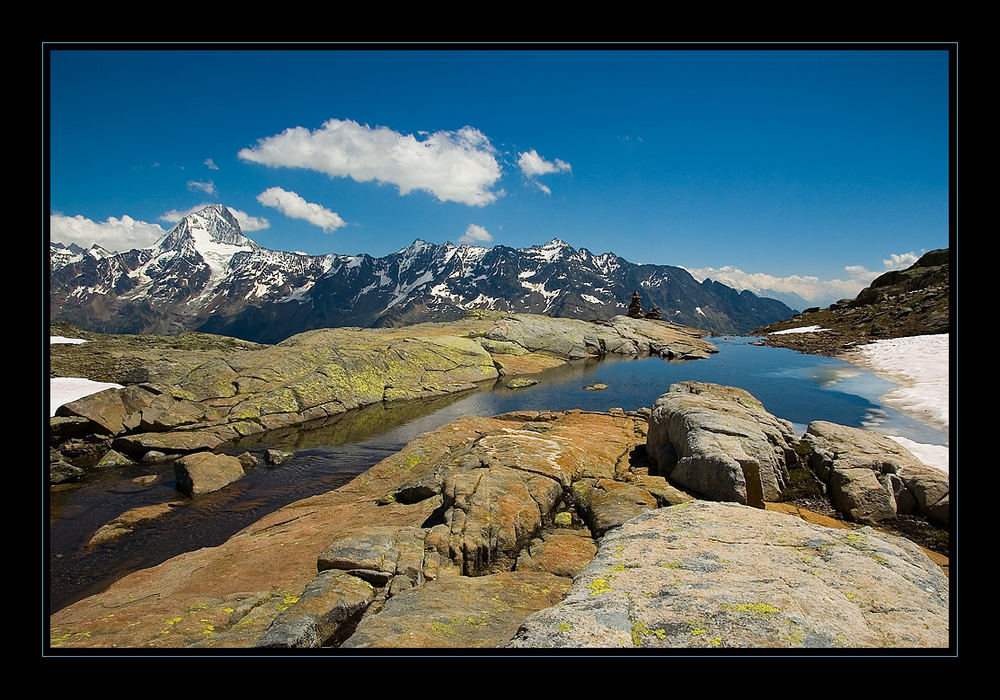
[53, 340]
[63, 390]
[919, 364]
[936, 456]
[800, 329]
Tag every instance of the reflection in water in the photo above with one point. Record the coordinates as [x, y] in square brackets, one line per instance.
[329, 453]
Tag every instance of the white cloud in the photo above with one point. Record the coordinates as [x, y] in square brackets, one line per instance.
[533, 165]
[211, 164]
[293, 206]
[247, 223]
[475, 234]
[454, 166]
[900, 261]
[206, 187]
[810, 288]
[114, 234]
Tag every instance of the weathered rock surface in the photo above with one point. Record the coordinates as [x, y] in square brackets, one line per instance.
[329, 602]
[872, 478]
[459, 612]
[204, 472]
[719, 442]
[468, 498]
[458, 538]
[131, 519]
[198, 391]
[720, 575]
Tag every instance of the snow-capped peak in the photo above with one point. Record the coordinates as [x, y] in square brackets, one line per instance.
[213, 229]
[418, 246]
[553, 250]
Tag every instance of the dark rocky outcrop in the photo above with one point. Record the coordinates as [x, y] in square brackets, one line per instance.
[899, 303]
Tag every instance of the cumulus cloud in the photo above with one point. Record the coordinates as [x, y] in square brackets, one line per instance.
[533, 165]
[206, 187]
[900, 261]
[475, 234]
[454, 166]
[211, 164]
[294, 206]
[247, 223]
[812, 289]
[113, 234]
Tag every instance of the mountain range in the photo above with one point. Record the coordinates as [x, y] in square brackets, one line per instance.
[205, 275]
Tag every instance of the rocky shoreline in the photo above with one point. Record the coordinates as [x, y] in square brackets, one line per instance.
[195, 392]
[538, 529]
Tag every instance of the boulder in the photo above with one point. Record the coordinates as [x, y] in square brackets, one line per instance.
[177, 441]
[330, 601]
[128, 521]
[204, 472]
[720, 443]
[104, 409]
[248, 461]
[113, 458]
[276, 457]
[377, 554]
[61, 471]
[62, 428]
[871, 477]
[712, 575]
[85, 452]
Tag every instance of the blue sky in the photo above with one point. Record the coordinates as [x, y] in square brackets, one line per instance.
[800, 168]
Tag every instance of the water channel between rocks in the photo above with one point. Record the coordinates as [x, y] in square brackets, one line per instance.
[791, 385]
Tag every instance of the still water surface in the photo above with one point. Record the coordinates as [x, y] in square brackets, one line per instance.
[791, 385]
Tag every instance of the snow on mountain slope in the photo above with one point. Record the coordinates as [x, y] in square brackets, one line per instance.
[204, 274]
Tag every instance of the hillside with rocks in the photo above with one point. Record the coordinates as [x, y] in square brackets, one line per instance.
[899, 303]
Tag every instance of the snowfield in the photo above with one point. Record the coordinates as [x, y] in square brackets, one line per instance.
[919, 365]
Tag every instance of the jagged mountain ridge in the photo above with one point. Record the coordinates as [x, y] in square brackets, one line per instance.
[206, 275]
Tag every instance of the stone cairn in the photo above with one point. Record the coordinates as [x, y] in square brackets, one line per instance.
[635, 306]
[655, 314]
